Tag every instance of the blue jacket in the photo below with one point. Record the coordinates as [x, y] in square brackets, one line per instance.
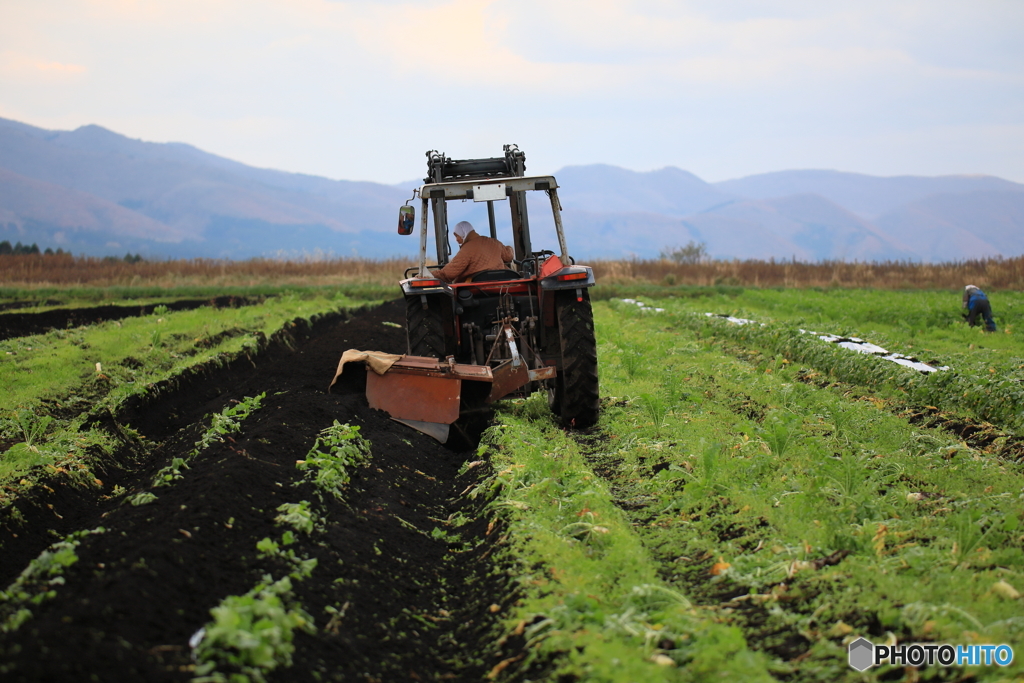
[972, 295]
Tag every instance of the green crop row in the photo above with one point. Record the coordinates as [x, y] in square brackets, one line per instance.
[337, 451]
[38, 581]
[799, 516]
[70, 369]
[228, 421]
[75, 297]
[931, 318]
[973, 388]
[251, 634]
[916, 323]
[57, 384]
[594, 605]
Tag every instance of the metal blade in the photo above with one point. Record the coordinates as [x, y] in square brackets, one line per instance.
[432, 429]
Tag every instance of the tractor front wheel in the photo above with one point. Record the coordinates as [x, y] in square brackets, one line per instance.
[574, 396]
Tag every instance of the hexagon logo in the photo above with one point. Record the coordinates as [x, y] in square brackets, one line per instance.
[861, 654]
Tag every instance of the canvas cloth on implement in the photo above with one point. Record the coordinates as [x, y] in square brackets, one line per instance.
[378, 361]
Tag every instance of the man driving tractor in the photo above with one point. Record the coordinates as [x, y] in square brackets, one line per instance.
[476, 253]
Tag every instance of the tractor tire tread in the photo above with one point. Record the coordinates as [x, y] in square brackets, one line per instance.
[580, 400]
[425, 328]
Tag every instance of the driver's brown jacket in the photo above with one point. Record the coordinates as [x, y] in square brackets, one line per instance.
[477, 253]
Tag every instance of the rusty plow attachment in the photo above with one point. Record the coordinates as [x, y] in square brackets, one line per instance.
[430, 395]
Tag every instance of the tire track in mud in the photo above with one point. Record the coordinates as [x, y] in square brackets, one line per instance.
[414, 598]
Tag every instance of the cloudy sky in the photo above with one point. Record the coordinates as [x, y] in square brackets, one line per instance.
[360, 90]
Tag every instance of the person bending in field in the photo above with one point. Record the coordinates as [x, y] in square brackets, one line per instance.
[476, 253]
[977, 304]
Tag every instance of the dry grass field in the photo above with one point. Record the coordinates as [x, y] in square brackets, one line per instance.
[64, 270]
[996, 273]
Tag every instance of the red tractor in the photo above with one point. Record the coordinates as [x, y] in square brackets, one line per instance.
[502, 332]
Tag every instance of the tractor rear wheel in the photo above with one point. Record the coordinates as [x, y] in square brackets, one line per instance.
[425, 326]
[574, 396]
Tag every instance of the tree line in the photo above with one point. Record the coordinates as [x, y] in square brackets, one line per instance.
[19, 249]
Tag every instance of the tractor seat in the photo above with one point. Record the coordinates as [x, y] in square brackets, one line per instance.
[495, 276]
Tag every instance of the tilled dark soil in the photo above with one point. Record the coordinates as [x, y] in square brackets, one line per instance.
[410, 597]
[23, 324]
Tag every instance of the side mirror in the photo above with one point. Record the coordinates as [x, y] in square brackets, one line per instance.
[406, 220]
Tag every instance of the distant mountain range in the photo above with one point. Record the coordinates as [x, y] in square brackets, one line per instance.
[807, 215]
[96, 192]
